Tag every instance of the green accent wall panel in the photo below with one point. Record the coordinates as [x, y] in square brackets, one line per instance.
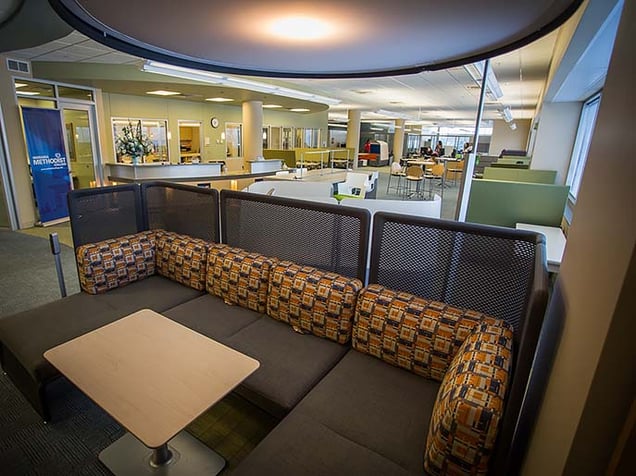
[520, 175]
[494, 202]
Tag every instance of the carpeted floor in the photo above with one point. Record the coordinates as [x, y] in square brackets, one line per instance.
[70, 445]
[28, 277]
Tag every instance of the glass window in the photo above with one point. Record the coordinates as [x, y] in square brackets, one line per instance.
[33, 89]
[152, 129]
[74, 93]
[582, 145]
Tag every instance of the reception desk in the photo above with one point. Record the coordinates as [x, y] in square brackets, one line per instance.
[129, 172]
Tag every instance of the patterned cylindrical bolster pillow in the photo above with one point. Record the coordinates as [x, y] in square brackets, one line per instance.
[470, 403]
[239, 277]
[182, 258]
[117, 262]
[409, 331]
[311, 300]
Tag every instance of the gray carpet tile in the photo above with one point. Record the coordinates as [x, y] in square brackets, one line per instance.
[27, 272]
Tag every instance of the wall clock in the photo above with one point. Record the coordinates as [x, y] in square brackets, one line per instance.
[214, 122]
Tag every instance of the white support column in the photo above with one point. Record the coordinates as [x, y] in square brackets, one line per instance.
[398, 140]
[353, 135]
[252, 131]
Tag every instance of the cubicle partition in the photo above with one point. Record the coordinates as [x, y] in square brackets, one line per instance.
[329, 237]
[503, 203]
[497, 271]
[520, 175]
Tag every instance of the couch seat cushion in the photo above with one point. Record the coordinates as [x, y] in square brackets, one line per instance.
[156, 293]
[300, 445]
[291, 363]
[312, 300]
[27, 335]
[210, 316]
[377, 406]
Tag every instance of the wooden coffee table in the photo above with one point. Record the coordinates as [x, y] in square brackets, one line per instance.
[154, 376]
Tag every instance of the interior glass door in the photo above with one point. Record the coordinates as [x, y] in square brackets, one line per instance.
[80, 145]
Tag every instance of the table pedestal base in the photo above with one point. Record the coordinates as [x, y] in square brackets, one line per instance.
[130, 457]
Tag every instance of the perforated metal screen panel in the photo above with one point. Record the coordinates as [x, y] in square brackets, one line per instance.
[183, 209]
[327, 237]
[489, 274]
[103, 213]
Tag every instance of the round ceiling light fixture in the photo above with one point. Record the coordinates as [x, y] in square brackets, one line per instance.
[331, 39]
[300, 28]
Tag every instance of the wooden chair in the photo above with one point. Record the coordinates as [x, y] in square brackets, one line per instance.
[456, 169]
[436, 172]
[414, 175]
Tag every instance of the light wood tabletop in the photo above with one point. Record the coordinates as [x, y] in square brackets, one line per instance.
[153, 375]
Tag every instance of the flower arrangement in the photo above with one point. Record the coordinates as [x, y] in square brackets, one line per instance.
[133, 143]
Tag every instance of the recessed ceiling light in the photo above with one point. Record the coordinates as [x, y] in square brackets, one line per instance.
[300, 109]
[20, 85]
[219, 99]
[300, 28]
[161, 92]
[272, 106]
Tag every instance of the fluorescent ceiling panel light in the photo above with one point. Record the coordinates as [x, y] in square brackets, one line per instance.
[507, 114]
[219, 99]
[376, 129]
[234, 82]
[300, 109]
[28, 93]
[189, 124]
[337, 125]
[161, 92]
[476, 72]
[20, 85]
[271, 106]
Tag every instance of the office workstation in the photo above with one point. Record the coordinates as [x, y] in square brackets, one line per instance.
[235, 191]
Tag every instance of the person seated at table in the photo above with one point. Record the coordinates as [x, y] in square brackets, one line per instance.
[468, 148]
[428, 152]
[439, 149]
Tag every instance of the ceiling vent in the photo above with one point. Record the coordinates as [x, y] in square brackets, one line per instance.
[18, 66]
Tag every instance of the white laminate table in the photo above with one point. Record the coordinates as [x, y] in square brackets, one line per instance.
[554, 242]
[154, 376]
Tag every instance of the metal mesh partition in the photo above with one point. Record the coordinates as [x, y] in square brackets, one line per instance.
[498, 271]
[325, 236]
[106, 212]
[464, 268]
[183, 209]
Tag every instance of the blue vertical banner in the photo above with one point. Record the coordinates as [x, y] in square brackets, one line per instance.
[47, 157]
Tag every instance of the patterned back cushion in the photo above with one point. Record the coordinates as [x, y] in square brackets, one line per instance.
[116, 262]
[239, 277]
[181, 258]
[410, 332]
[470, 403]
[311, 300]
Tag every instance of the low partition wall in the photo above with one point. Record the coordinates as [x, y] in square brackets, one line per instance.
[497, 202]
[520, 175]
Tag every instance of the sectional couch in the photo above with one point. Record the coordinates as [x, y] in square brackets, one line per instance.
[417, 364]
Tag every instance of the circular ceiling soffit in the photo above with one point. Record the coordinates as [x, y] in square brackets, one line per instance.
[327, 39]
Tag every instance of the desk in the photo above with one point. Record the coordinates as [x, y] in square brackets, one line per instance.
[554, 242]
[154, 376]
